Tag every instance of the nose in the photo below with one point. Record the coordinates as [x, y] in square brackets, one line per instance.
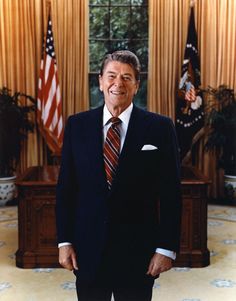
[118, 81]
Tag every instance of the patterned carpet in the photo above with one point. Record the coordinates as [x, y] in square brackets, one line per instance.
[216, 282]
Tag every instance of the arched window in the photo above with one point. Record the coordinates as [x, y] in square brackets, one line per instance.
[115, 25]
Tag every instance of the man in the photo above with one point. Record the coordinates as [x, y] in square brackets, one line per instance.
[117, 162]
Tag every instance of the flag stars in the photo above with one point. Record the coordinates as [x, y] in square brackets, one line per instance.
[49, 41]
[192, 47]
[189, 124]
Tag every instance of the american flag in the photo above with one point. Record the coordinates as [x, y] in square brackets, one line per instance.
[189, 105]
[190, 92]
[49, 105]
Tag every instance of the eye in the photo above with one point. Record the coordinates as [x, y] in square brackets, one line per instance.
[127, 78]
[111, 76]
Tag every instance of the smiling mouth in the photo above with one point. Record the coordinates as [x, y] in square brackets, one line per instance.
[117, 92]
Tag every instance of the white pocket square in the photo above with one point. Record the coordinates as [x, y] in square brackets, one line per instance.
[148, 147]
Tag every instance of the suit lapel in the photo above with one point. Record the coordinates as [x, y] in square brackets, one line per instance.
[95, 146]
[135, 133]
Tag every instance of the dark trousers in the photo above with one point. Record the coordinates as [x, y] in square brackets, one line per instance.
[125, 285]
[101, 290]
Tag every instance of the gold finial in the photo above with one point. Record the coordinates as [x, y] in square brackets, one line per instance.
[192, 3]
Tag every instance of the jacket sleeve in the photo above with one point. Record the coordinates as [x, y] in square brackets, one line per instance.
[170, 192]
[65, 193]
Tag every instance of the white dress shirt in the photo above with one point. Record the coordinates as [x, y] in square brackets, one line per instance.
[123, 126]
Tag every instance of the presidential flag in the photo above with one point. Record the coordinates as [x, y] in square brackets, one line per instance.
[189, 105]
[49, 105]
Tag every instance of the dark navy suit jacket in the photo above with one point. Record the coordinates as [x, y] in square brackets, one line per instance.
[125, 218]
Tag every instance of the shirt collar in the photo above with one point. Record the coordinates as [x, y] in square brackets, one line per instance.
[124, 116]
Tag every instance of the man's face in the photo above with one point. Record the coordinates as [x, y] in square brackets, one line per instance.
[118, 84]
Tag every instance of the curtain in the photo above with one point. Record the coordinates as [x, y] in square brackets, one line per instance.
[216, 28]
[22, 26]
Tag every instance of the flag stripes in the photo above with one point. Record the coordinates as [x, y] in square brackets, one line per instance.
[49, 106]
[190, 94]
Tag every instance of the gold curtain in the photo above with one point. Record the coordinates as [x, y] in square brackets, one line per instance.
[216, 28]
[22, 26]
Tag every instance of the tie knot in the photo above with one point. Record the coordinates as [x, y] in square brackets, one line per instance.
[115, 121]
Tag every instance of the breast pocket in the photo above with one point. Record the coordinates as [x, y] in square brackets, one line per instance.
[149, 162]
[149, 156]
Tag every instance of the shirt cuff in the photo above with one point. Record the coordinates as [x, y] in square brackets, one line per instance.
[62, 244]
[167, 253]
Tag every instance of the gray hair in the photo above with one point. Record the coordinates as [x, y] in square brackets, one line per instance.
[123, 56]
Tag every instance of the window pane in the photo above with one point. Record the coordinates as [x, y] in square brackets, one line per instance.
[97, 50]
[119, 22]
[96, 96]
[139, 2]
[140, 48]
[99, 22]
[141, 97]
[139, 23]
[118, 45]
[102, 2]
[120, 2]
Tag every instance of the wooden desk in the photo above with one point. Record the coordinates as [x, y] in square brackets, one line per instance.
[36, 217]
[37, 230]
[193, 247]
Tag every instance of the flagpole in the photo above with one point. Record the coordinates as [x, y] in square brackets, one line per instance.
[48, 5]
[48, 8]
[46, 11]
[45, 25]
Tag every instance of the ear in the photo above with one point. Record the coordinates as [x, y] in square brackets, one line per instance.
[137, 86]
[100, 83]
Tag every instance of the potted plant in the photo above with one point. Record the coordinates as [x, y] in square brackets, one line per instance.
[14, 126]
[221, 132]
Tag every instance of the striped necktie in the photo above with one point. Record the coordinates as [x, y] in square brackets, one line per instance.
[111, 150]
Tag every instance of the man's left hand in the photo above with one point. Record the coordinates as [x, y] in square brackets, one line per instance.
[159, 264]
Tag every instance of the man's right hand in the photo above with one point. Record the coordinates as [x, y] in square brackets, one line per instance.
[67, 258]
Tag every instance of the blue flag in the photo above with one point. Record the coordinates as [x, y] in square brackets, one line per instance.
[189, 105]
